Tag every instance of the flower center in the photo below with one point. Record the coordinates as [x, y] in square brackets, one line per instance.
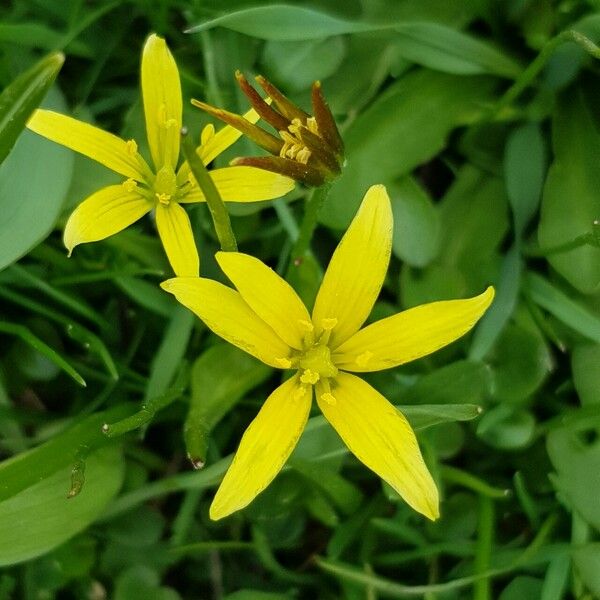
[316, 364]
[165, 185]
[293, 145]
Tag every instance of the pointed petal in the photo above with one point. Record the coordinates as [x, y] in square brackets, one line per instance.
[357, 269]
[268, 295]
[103, 214]
[93, 142]
[224, 138]
[284, 166]
[224, 311]
[263, 108]
[244, 184]
[411, 334]
[176, 234]
[381, 438]
[265, 446]
[161, 92]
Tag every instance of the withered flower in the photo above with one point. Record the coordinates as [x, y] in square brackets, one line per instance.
[308, 148]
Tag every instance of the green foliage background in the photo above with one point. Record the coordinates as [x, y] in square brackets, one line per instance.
[482, 119]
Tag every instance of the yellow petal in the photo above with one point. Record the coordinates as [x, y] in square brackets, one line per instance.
[265, 446]
[222, 139]
[177, 238]
[357, 269]
[268, 295]
[161, 92]
[97, 144]
[244, 184]
[225, 312]
[411, 334]
[103, 214]
[381, 438]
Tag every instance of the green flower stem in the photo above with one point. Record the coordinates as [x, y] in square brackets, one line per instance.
[483, 553]
[309, 223]
[539, 62]
[216, 206]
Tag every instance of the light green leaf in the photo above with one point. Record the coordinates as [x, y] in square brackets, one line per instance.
[564, 308]
[41, 517]
[405, 127]
[34, 181]
[445, 49]
[416, 223]
[22, 96]
[524, 169]
[571, 202]
[585, 364]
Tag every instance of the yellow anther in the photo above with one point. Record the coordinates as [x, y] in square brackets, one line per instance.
[306, 325]
[329, 398]
[329, 324]
[364, 358]
[168, 123]
[303, 155]
[207, 133]
[132, 147]
[299, 392]
[284, 363]
[164, 198]
[311, 125]
[129, 185]
[309, 377]
[293, 147]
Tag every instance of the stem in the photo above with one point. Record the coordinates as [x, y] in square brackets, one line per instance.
[483, 553]
[215, 203]
[309, 223]
[540, 61]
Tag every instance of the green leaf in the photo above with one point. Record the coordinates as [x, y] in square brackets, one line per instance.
[522, 586]
[284, 22]
[295, 65]
[571, 202]
[445, 49]
[507, 429]
[34, 181]
[586, 561]
[405, 127]
[524, 169]
[41, 517]
[417, 224]
[585, 365]
[564, 308]
[576, 459]
[22, 96]
[220, 377]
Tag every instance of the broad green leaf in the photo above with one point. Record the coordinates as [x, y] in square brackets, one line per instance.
[295, 65]
[445, 49]
[460, 382]
[22, 96]
[576, 460]
[586, 561]
[524, 169]
[34, 181]
[139, 582]
[520, 361]
[405, 127]
[522, 586]
[507, 429]
[285, 22]
[41, 517]
[571, 202]
[28, 468]
[557, 578]
[417, 224]
[585, 364]
[563, 307]
[220, 377]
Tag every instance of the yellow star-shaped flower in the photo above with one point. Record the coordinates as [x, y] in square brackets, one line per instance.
[164, 187]
[266, 318]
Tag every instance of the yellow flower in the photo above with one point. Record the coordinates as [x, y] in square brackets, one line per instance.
[164, 187]
[266, 318]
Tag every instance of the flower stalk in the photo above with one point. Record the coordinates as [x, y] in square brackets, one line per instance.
[216, 206]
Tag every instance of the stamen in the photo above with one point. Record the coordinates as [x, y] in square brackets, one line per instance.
[309, 336]
[293, 147]
[132, 147]
[327, 325]
[164, 199]
[329, 398]
[299, 392]
[364, 358]
[207, 134]
[284, 363]
[306, 325]
[311, 125]
[309, 377]
[129, 184]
